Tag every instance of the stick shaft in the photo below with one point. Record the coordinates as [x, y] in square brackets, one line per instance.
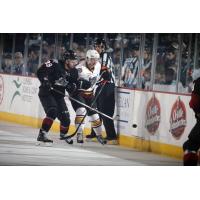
[83, 104]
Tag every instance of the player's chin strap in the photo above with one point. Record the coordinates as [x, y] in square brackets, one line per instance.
[77, 101]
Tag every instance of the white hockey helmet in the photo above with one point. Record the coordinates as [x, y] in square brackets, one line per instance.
[195, 74]
[92, 54]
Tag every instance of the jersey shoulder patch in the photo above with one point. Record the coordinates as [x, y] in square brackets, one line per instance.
[50, 63]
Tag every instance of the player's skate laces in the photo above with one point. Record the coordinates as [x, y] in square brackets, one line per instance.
[101, 139]
[79, 138]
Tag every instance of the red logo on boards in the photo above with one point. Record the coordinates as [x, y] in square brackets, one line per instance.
[178, 119]
[152, 115]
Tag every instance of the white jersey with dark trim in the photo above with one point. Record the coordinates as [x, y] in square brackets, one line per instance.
[89, 75]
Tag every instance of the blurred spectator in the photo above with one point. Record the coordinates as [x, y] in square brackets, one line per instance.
[75, 46]
[18, 66]
[159, 78]
[7, 64]
[186, 69]
[51, 51]
[146, 79]
[130, 69]
[170, 59]
[32, 64]
[45, 56]
[62, 50]
[169, 77]
[45, 45]
[81, 52]
[146, 68]
[116, 56]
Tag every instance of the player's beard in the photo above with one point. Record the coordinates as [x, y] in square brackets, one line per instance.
[90, 66]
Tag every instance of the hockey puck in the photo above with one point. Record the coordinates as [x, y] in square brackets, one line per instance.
[134, 125]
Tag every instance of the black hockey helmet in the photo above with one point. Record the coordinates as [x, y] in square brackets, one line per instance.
[69, 55]
[100, 41]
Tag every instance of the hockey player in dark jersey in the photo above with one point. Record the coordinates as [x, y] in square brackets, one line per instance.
[192, 145]
[106, 99]
[59, 75]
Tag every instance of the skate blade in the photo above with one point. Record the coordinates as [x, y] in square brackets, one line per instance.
[102, 143]
[44, 144]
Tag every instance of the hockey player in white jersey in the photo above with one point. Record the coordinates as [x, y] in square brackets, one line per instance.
[106, 92]
[88, 70]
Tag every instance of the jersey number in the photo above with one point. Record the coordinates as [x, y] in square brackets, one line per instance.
[48, 63]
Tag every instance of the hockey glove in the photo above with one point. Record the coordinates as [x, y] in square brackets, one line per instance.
[61, 82]
[71, 88]
[106, 75]
[84, 84]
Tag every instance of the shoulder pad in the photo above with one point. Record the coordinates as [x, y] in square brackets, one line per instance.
[50, 63]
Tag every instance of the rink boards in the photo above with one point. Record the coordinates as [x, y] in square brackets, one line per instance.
[163, 120]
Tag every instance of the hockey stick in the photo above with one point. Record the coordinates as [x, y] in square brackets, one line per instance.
[83, 104]
[94, 101]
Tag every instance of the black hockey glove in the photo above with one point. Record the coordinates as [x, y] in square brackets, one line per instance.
[84, 84]
[106, 75]
[61, 82]
[71, 88]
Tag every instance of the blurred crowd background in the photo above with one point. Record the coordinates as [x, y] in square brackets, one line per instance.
[160, 62]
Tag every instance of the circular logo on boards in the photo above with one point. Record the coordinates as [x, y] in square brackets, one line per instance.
[178, 119]
[1, 89]
[152, 115]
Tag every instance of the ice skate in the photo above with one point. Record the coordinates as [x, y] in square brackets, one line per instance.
[63, 136]
[101, 140]
[80, 138]
[42, 139]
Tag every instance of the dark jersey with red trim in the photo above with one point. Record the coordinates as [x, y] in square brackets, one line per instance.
[195, 97]
[53, 70]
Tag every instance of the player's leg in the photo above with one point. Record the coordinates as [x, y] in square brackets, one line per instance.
[79, 123]
[191, 146]
[106, 104]
[50, 108]
[96, 124]
[64, 117]
[92, 135]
